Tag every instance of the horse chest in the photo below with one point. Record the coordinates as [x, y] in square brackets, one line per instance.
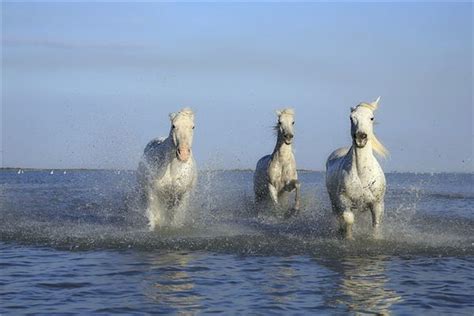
[281, 174]
[177, 177]
[365, 190]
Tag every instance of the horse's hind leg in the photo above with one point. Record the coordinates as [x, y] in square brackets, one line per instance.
[259, 201]
[152, 214]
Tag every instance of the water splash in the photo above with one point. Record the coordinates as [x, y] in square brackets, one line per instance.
[89, 210]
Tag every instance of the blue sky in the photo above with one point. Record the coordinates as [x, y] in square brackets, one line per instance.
[87, 85]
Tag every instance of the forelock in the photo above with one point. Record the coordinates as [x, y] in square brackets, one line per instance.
[286, 112]
[363, 105]
[366, 105]
[185, 113]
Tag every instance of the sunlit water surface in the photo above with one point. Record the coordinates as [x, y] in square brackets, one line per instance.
[78, 242]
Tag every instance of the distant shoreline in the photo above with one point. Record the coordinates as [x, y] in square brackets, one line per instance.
[6, 169]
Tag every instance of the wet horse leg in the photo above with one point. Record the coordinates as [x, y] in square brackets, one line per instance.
[377, 211]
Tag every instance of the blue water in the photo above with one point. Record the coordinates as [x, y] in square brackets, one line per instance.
[78, 243]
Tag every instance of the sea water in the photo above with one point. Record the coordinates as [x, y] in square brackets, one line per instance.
[78, 243]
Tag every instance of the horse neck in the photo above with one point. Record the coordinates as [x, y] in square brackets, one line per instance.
[282, 150]
[362, 159]
[170, 146]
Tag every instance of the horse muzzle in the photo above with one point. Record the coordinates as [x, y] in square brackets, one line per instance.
[183, 153]
[360, 139]
[288, 138]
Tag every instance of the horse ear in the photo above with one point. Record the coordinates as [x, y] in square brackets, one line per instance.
[353, 108]
[172, 116]
[278, 113]
[375, 104]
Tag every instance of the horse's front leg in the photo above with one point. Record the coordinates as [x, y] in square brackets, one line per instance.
[377, 211]
[297, 186]
[180, 209]
[273, 195]
[343, 209]
[294, 185]
[155, 211]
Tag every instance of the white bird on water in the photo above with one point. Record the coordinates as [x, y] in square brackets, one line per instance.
[20, 171]
[52, 172]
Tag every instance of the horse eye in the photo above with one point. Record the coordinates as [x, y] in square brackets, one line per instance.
[174, 126]
[372, 119]
[293, 123]
[193, 127]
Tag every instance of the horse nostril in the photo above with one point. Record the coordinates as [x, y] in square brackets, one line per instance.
[289, 136]
[362, 135]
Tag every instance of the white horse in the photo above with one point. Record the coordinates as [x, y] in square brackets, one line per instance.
[167, 173]
[276, 176]
[354, 178]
